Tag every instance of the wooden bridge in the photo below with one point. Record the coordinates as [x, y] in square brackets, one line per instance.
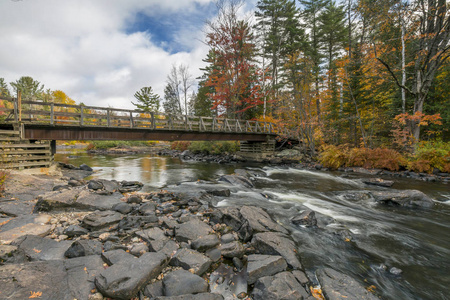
[25, 122]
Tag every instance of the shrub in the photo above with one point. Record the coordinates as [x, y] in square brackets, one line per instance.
[180, 145]
[3, 177]
[218, 147]
[333, 156]
[103, 145]
[431, 155]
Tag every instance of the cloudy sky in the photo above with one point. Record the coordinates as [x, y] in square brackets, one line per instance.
[100, 52]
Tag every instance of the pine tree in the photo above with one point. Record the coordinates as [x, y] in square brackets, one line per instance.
[171, 100]
[30, 88]
[4, 91]
[147, 100]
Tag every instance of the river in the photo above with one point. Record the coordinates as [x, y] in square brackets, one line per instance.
[356, 238]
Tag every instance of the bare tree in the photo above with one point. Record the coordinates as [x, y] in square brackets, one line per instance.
[186, 84]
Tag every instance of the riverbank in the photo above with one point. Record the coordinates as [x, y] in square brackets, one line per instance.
[102, 238]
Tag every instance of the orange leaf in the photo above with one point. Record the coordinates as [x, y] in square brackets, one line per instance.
[35, 295]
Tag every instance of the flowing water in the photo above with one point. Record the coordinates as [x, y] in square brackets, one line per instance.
[357, 238]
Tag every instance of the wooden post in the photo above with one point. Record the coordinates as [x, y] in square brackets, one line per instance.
[81, 116]
[52, 113]
[16, 112]
[131, 119]
[19, 104]
[152, 114]
[108, 117]
[213, 124]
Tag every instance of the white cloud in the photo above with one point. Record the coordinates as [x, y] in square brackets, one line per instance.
[82, 48]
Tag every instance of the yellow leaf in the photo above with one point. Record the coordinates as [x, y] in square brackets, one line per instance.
[35, 295]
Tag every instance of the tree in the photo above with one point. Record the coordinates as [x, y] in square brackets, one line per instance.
[171, 100]
[186, 84]
[30, 88]
[147, 100]
[4, 91]
[234, 75]
[202, 103]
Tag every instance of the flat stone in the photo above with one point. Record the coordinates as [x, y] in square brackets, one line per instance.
[24, 225]
[192, 230]
[281, 286]
[214, 254]
[147, 208]
[139, 249]
[81, 272]
[237, 180]
[92, 201]
[131, 222]
[206, 242]
[124, 279]
[275, 243]
[264, 265]
[15, 208]
[12, 255]
[84, 248]
[58, 200]
[41, 279]
[75, 230]
[95, 185]
[228, 238]
[114, 256]
[101, 219]
[183, 282]
[154, 290]
[259, 220]
[227, 282]
[134, 199]
[155, 238]
[122, 207]
[190, 259]
[336, 286]
[233, 249]
[41, 248]
[378, 182]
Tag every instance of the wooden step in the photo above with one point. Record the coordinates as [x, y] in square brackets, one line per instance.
[24, 145]
[23, 152]
[25, 158]
[9, 132]
[9, 139]
[26, 164]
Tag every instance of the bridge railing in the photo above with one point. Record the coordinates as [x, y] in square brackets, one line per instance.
[49, 113]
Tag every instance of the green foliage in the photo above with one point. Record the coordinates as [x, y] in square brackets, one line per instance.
[431, 155]
[4, 91]
[219, 147]
[103, 145]
[147, 100]
[29, 87]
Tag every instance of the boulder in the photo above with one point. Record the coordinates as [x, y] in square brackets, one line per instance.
[41, 248]
[155, 238]
[206, 242]
[191, 260]
[101, 219]
[192, 230]
[124, 279]
[306, 218]
[233, 249]
[264, 265]
[281, 286]
[81, 272]
[84, 248]
[408, 198]
[336, 286]
[276, 243]
[183, 282]
[92, 201]
[237, 180]
[85, 167]
[95, 185]
[259, 220]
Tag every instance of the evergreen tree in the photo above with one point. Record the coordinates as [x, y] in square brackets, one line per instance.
[171, 100]
[4, 91]
[30, 88]
[147, 100]
[202, 103]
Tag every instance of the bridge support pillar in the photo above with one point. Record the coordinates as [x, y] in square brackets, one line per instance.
[257, 150]
[53, 147]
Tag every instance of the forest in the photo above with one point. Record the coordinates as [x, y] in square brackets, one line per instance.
[358, 82]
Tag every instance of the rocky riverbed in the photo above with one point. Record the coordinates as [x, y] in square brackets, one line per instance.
[62, 237]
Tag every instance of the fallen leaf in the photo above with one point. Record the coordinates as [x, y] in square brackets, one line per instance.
[36, 250]
[35, 295]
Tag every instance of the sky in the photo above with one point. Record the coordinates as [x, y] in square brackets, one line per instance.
[100, 52]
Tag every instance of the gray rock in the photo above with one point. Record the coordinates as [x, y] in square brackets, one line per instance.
[101, 219]
[80, 274]
[264, 265]
[206, 242]
[408, 198]
[92, 201]
[57, 200]
[40, 248]
[192, 230]
[183, 282]
[75, 230]
[170, 248]
[191, 260]
[301, 277]
[73, 182]
[10, 254]
[110, 245]
[281, 286]
[259, 220]
[131, 222]
[114, 256]
[154, 290]
[84, 248]
[139, 249]
[238, 263]
[306, 218]
[237, 180]
[85, 167]
[130, 186]
[214, 254]
[124, 279]
[233, 249]
[122, 207]
[395, 271]
[168, 223]
[155, 238]
[220, 192]
[336, 285]
[275, 243]
[134, 199]
[95, 185]
[228, 238]
[378, 182]
[147, 208]
[201, 296]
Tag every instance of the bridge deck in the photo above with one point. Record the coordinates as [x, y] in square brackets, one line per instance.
[56, 121]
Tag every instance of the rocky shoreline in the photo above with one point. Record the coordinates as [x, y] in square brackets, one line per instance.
[62, 237]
